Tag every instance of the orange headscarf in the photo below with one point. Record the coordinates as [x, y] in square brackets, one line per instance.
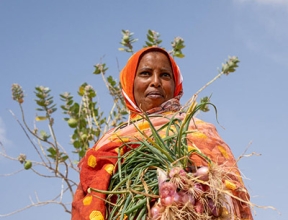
[127, 76]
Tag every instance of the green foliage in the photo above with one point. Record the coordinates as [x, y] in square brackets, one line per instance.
[153, 39]
[230, 65]
[177, 45]
[205, 104]
[100, 68]
[127, 41]
[84, 117]
[45, 100]
[17, 93]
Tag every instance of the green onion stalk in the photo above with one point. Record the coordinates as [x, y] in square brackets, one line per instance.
[158, 179]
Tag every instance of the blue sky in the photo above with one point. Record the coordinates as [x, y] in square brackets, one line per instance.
[56, 43]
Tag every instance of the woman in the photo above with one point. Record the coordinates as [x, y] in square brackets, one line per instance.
[151, 83]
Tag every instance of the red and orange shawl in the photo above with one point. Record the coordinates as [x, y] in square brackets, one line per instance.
[98, 164]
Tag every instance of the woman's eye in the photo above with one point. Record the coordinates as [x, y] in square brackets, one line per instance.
[166, 75]
[144, 73]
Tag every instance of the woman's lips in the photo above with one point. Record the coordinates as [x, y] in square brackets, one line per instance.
[154, 95]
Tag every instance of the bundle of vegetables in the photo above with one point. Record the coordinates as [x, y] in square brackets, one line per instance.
[157, 179]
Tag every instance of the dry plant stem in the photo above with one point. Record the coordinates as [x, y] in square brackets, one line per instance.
[201, 89]
[70, 161]
[247, 155]
[207, 84]
[49, 167]
[124, 192]
[11, 174]
[27, 133]
[31, 132]
[36, 205]
[55, 142]
[43, 152]
[115, 102]
[53, 201]
[69, 182]
[65, 177]
[109, 118]
[8, 157]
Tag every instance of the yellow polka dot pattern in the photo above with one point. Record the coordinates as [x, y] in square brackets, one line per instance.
[230, 185]
[192, 148]
[109, 168]
[125, 217]
[121, 151]
[162, 135]
[198, 135]
[96, 215]
[92, 161]
[117, 139]
[143, 125]
[87, 200]
[114, 136]
[223, 151]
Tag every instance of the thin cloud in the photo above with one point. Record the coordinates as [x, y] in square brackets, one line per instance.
[269, 21]
[266, 2]
[3, 138]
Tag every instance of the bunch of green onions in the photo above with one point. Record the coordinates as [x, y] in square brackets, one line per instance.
[134, 189]
[155, 171]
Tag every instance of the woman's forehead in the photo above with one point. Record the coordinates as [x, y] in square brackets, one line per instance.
[154, 59]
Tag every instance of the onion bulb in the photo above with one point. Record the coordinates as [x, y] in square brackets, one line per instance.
[202, 173]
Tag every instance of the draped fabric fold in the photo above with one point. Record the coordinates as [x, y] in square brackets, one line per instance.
[99, 163]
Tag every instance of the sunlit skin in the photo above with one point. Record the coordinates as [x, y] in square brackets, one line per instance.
[154, 81]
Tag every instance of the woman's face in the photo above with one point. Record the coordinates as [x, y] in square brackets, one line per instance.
[154, 81]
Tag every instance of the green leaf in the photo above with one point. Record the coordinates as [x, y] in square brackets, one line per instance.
[52, 151]
[70, 102]
[77, 144]
[75, 108]
[41, 103]
[39, 95]
[181, 55]
[150, 32]
[150, 38]
[62, 159]
[81, 153]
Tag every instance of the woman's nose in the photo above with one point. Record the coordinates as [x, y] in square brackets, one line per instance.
[155, 81]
